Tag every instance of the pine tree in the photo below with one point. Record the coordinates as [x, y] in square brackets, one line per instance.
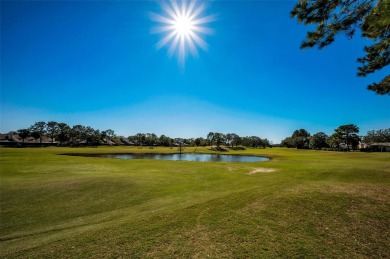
[334, 17]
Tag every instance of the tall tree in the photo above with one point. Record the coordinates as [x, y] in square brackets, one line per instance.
[36, 135]
[219, 139]
[140, 138]
[151, 139]
[103, 136]
[92, 136]
[198, 141]
[63, 132]
[246, 141]
[180, 145]
[23, 134]
[382, 135]
[229, 139]
[164, 140]
[40, 128]
[287, 142]
[210, 138]
[334, 140]
[236, 139]
[318, 140]
[52, 129]
[96, 137]
[110, 134]
[334, 17]
[78, 134]
[265, 143]
[348, 134]
[300, 138]
[255, 141]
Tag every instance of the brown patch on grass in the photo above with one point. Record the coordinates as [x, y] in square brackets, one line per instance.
[376, 192]
[197, 241]
[379, 192]
[231, 169]
[261, 170]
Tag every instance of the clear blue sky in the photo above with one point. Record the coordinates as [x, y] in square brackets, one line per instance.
[95, 63]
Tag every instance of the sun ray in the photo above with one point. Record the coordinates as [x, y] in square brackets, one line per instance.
[197, 12]
[166, 39]
[182, 50]
[190, 8]
[183, 8]
[182, 25]
[192, 48]
[176, 8]
[164, 29]
[203, 20]
[162, 19]
[199, 41]
[203, 30]
[174, 45]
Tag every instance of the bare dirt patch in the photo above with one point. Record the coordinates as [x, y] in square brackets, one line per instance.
[261, 170]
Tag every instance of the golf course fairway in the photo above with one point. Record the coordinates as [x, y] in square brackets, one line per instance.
[300, 203]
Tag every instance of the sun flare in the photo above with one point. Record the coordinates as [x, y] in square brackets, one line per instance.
[183, 27]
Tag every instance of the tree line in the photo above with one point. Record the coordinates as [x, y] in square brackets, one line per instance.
[216, 139]
[65, 135]
[345, 137]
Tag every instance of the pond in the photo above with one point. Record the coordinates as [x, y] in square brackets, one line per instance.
[188, 157]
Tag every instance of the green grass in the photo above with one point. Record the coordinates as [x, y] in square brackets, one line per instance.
[316, 204]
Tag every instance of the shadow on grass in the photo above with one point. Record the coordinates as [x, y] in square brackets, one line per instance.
[220, 149]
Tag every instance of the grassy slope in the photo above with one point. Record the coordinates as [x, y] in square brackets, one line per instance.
[317, 204]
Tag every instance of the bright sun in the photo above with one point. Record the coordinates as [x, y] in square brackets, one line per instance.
[183, 26]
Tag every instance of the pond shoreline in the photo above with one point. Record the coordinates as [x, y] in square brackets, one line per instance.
[196, 157]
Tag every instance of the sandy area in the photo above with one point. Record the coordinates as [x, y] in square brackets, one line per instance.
[261, 170]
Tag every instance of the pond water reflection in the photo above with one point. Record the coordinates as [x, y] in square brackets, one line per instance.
[189, 157]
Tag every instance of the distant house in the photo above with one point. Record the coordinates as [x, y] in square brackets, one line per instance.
[12, 139]
[5, 141]
[127, 142]
[178, 144]
[108, 142]
[363, 145]
[376, 147]
[382, 147]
